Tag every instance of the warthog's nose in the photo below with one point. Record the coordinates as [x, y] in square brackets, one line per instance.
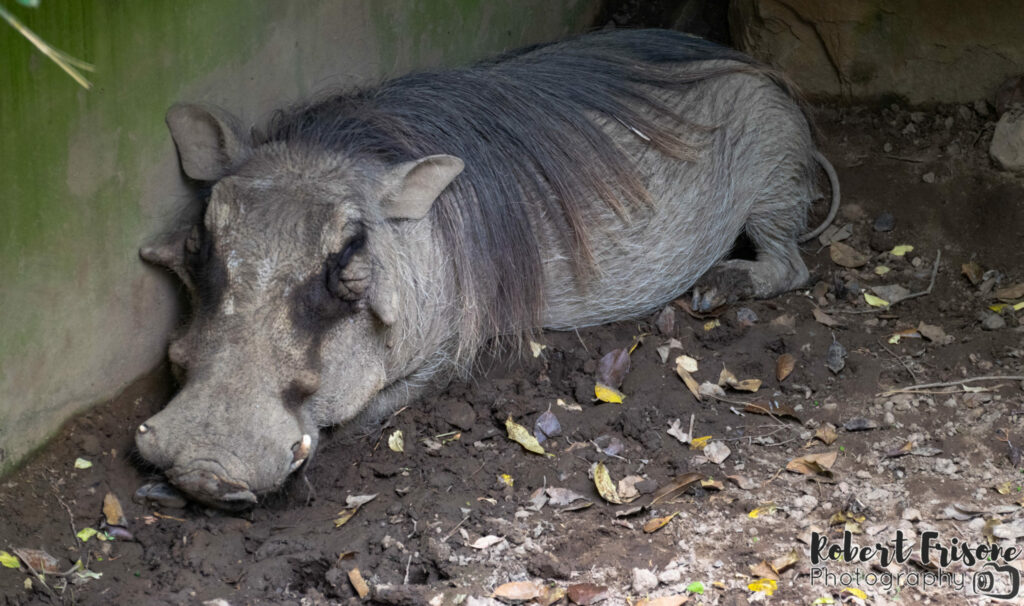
[206, 481]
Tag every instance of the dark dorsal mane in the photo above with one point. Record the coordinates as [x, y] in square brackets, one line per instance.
[523, 125]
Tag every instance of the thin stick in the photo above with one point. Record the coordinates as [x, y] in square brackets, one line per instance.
[914, 388]
[900, 360]
[452, 531]
[63, 60]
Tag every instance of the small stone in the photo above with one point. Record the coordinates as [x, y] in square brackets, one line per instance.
[944, 466]
[890, 419]
[863, 474]
[981, 107]
[746, 316]
[884, 222]
[992, 321]
[917, 117]
[1007, 147]
[643, 581]
[672, 575]
[887, 148]
[928, 177]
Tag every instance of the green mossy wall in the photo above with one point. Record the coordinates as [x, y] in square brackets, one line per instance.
[90, 175]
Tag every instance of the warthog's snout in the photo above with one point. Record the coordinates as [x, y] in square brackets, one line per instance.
[225, 471]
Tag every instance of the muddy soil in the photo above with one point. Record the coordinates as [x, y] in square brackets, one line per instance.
[937, 460]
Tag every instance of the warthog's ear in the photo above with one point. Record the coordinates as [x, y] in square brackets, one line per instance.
[412, 187]
[208, 140]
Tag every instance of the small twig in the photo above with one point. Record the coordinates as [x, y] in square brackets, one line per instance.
[408, 564]
[906, 159]
[961, 382]
[452, 531]
[899, 359]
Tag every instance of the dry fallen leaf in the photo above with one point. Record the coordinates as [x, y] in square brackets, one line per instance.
[518, 591]
[765, 586]
[356, 578]
[487, 541]
[783, 562]
[536, 348]
[711, 484]
[933, 333]
[901, 250]
[39, 560]
[846, 256]
[657, 523]
[874, 301]
[827, 433]
[608, 394]
[674, 487]
[784, 366]
[522, 436]
[112, 510]
[973, 271]
[613, 367]
[823, 318]
[762, 570]
[1013, 292]
[727, 378]
[605, 485]
[814, 464]
[776, 410]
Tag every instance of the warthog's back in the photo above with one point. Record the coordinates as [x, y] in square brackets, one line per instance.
[603, 174]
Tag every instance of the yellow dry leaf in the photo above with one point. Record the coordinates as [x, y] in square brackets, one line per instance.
[522, 436]
[699, 443]
[881, 270]
[605, 485]
[893, 340]
[855, 592]
[900, 250]
[86, 533]
[507, 480]
[9, 561]
[1018, 306]
[608, 394]
[344, 516]
[713, 324]
[766, 586]
[750, 385]
[818, 463]
[874, 301]
[657, 523]
[356, 578]
[112, 510]
[81, 463]
[396, 441]
[1004, 488]
[711, 484]
[536, 348]
[760, 511]
[784, 366]
[998, 307]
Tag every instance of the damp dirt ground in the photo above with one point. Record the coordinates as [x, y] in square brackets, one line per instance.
[937, 460]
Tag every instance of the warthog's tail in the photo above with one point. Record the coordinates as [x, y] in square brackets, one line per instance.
[833, 181]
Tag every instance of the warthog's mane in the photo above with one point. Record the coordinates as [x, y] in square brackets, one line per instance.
[535, 157]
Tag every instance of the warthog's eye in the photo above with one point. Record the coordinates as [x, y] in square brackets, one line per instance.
[348, 272]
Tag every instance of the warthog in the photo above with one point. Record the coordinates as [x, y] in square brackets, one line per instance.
[364, 245]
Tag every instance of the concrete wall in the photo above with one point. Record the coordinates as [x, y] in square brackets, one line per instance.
[90, 175]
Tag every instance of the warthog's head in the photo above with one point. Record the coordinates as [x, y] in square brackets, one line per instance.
[292, 275]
